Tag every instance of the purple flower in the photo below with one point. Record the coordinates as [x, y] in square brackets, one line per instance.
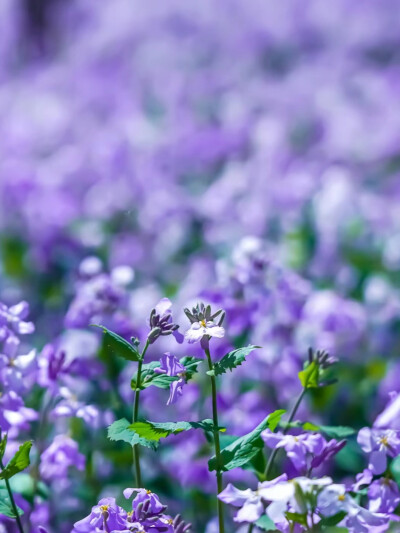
[161, 322]
[171, 366]
[105, 516]
[13, 413]
[300, 449]
[70, 406]
[383, 495]
[330, 449]
[59, 456]
[15, 368]
[145, 504]
[379, 443]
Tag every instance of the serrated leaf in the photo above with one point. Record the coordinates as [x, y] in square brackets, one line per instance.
[118, 345]
[3, 445]
[119, 431]
[18, 463]
[243, 449]
[330, 521]
[265, 523]
[309, 376]
[231, 360]
[6, 508]
[154, 431]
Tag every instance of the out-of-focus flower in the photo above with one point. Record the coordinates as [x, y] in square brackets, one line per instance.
[12, 320]
[383, 495]
[299, 448]
[379, 444]
[62, 454]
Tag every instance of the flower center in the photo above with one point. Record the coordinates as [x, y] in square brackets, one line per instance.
[385, 441]
[148, 491]
[341, 497]
[104, 508]
[203, 323]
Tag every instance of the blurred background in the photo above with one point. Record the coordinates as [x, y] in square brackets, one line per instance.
[245, 153]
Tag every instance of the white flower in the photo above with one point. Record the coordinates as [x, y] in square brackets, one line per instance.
[200, 329]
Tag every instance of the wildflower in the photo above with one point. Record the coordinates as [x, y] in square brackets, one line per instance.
[250, 502]
[379, 443]
[203, 324]
[12, 320]
[105, 516]
[171, 366]
[161, 322]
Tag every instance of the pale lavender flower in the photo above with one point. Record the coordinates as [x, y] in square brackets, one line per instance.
[383, 495]
[12, 320]
[14, 369]
[379, 443]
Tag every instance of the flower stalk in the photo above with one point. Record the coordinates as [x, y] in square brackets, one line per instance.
[11, 496]
[135, 416]
[216, 440]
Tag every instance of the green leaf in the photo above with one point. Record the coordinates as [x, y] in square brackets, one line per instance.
[3, 445]
[119, 346]
[119, 431]
[337, 432]
[18, 463]
[231, 360]
[299, 518]
[245, 448]
[265, 523]
[154, 431]
[330, 521]
[309, 376]
[395, 469]
[6, 508]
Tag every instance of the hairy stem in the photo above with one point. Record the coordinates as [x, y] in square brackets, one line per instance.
[216, 442]
[135, 415]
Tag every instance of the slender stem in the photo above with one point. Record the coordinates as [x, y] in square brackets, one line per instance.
[135, 415]
[291, 416]
[216, 442]
[11, 496]
[251, 527]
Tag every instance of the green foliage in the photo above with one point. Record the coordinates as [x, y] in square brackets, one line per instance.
[333, 432]
[18, 463]
[330, 521]
[231, 360]
[3, 444]
[6, 507]
[299, 518]
[119, 431]
[119, 346]
[154, 431]
[395, 469]
[265, 523]
[309, 377]
[245, 448]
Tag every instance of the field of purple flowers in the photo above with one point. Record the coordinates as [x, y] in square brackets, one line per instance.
[199, 266]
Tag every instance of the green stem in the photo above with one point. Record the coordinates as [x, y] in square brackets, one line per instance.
[11, 496]
[291, 416]
[216, 442]
[135, 415]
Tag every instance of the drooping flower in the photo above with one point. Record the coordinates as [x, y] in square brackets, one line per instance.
[203, 324]
[171, 366]
[379, 444]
